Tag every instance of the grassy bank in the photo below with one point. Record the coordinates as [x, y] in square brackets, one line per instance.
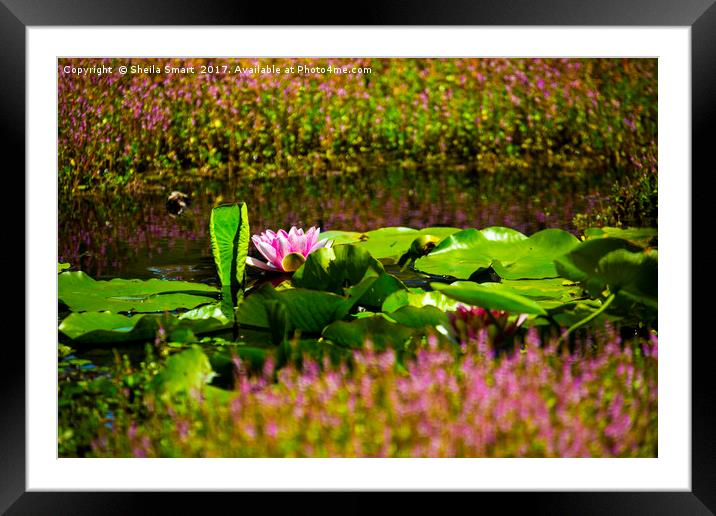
[532, 116]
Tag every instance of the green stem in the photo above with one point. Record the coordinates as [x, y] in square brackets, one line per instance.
[589, 318]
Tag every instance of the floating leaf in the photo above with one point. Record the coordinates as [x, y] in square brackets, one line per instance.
[331, 269]
[580, 264]
[534, 257]
[374, 291]
[550, 288]
[511, 254]
[642, 237]
[391, 242]
[108, 327]
[458, 255]
[82, 293]
[379, 331]
[635, 274]
[490, 298]
[418, 298]
[307, 310]
[415, 317]
[208, 318]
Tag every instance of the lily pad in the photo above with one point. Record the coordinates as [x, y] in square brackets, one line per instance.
[391, 242]
[511, 254]
[81, 293]
[490, 298]
[306, 310]
[334, 268]
[534, 257]
[635, 274]
[419, 298]
[379, 331]
[374, 291]
[109, 328]
[642, 237]
[415, 317]
[550, 288]
[580, 264]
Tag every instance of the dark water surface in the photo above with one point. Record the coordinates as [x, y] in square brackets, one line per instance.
[134, 236]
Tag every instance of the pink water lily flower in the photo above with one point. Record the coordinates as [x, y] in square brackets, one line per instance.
[286, 252]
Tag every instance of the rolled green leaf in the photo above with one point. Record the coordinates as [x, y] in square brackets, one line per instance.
[230, 235]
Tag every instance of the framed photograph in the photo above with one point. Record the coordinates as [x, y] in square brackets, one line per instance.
[384, 257]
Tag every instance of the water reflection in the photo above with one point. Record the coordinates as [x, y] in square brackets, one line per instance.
[135, 236]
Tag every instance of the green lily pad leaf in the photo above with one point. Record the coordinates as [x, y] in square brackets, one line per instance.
[230, 234]
[306, 310]
[534, 257]
[458, 255]
[311, 310]
[550, 288]
[502, 234]
[490, 298]
[251, 310]
[331, 269]
[642, 237]
[381, 332]
[580, 264]
[415, 317]
[184, 372]
[208, 318]
[511, 254]
[635, 273]
[419, 298]
[62, 267]
[278, 321]
[341, 237]
[391, 242]
[81, 293]
[579, 312]
[628, 301]
[108, 327]
[376, 290]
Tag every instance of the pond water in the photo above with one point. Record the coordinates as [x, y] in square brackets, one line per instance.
[134, 236]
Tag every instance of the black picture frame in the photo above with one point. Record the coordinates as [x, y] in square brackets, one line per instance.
[700, 15]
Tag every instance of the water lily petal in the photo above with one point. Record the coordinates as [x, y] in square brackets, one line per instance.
[318, 245]
[295, 240]
[267, 251]
[259, 264]
[284, 246]
[310, 240]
